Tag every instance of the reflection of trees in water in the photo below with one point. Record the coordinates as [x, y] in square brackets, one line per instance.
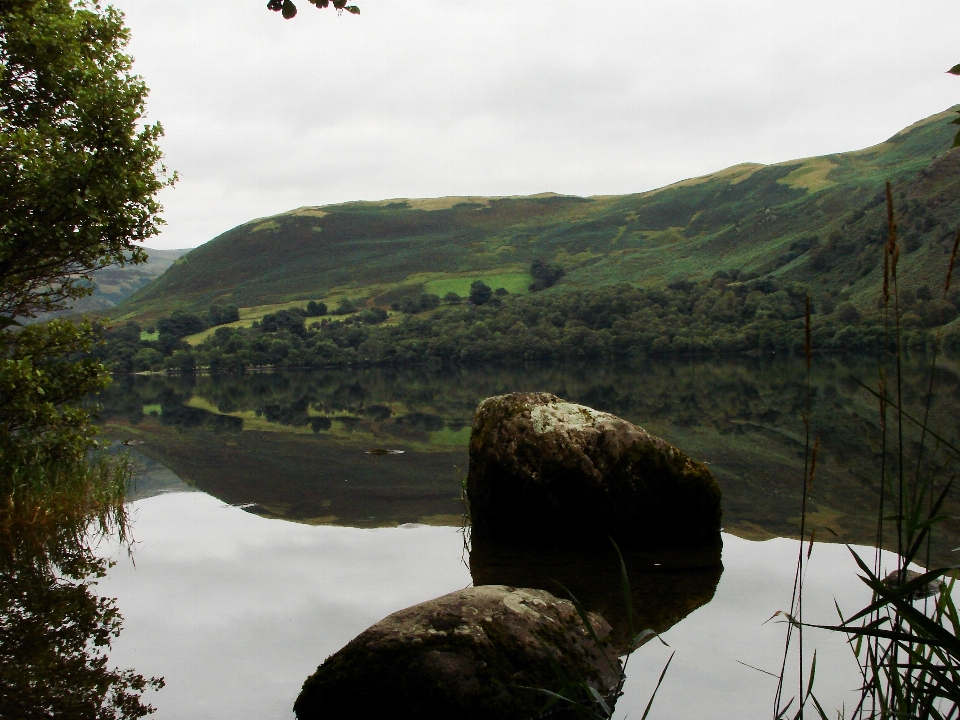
[54, 630]
[54, 633]
[727, 395]
[742, 415]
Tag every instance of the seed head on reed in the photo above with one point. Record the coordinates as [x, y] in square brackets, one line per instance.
[891, 222]
[953, 259]
[891, 253]
[813, 463]
[886, 277]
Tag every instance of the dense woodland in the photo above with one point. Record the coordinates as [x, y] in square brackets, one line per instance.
[727, 314]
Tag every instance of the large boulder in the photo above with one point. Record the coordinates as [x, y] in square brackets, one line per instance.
[549, 470]
[469, 655]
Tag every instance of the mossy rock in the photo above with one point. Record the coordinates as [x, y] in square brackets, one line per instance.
[549, 470]
[471, 654]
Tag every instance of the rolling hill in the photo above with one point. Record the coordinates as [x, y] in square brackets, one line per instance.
[820, 221]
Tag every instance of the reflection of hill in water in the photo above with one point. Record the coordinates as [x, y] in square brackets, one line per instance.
[293, 443]
[665, 585]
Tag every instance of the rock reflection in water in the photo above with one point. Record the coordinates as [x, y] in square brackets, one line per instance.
[665, 585]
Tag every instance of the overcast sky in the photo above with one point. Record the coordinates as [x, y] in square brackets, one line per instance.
[424, 98]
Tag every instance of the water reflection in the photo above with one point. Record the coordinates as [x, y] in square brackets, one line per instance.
[294, 444]
[665, 585]
[55, 632]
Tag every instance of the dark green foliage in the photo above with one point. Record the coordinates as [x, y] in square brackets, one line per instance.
[40, 392]
[424, 302]
[179, 324]
[182, 361]
[374, 315]
[451, 298]
[717, 316]
[480, 292]
[79, 171]
[848, 314]
[544, 275]
[289, 10]
[315, 309]
[345, 307]
[223, 314]
[283, 320]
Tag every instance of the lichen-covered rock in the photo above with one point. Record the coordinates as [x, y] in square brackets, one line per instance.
[552, 470]
[465, 656]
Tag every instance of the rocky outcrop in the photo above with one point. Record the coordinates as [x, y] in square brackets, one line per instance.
[470, 654]
[551, 470]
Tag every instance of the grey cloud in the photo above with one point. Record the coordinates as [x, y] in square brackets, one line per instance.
[433, 97]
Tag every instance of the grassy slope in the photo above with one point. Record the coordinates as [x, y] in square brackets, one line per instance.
[745, 217]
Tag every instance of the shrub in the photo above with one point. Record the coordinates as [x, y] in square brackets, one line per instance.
[315, 309]
[480, 292]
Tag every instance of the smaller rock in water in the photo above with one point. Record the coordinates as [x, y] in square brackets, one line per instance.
[550, 470]
[467, 655]
[895, 580]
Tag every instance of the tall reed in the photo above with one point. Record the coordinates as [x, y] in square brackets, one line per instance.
[907, 645]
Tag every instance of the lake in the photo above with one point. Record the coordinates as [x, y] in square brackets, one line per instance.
[267, 536]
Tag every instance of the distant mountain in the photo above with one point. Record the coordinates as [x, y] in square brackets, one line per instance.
[116, 284]
[818, 220]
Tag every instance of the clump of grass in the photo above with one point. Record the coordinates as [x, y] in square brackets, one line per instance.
[53, 507]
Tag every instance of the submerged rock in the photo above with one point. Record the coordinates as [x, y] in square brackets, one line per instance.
[895, 579]
[552, 470]
[469, 654]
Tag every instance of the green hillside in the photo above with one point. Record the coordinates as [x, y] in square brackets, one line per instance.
[819, 221]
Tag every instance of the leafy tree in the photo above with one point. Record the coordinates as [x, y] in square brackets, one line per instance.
[183, 361]
[180, 324]
[345, 307]
[372, 316]
[451, 298]
[289, 10]
[412, 306]
[480, 292]
[223, 314]
[39, 412]
[848, 314]
[315, 309]
[79, 174]
[544, 275]
[282, 320]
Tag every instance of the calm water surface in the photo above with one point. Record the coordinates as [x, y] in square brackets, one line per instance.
[267, 537]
